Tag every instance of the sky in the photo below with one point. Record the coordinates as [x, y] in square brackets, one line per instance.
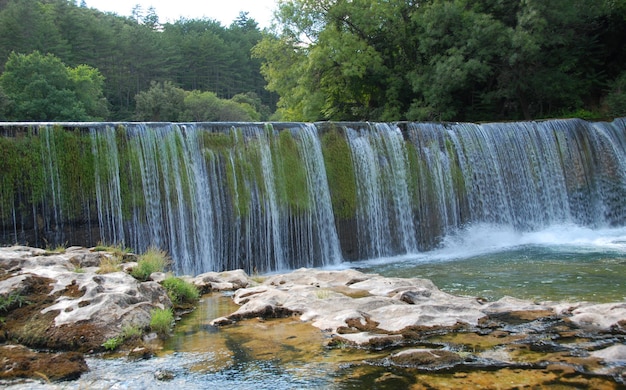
[224, 11]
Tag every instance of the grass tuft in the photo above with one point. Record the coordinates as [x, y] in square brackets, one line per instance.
[161, 320]
[180, 291]
[109, 265]
[153, 260]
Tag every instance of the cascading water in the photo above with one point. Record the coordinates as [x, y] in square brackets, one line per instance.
[213, 206]
[267, 197]
[384, 216]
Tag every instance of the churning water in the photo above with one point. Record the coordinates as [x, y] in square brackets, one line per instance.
[562, 262]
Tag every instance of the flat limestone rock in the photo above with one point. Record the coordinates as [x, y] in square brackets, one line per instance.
[68, 302]
[603, 316]
[380, 310]
[220, 281]
[363, 309]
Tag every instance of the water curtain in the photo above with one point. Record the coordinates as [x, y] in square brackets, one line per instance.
[267, 197]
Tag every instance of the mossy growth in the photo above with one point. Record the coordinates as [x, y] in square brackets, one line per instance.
[458, 179]
[216, 141]
[22, 179]
[131, 187]
[237, 168]
[290, 173]
[76, 171]
[413, 172]
[129, 332]
[47, 166]
[340, 173]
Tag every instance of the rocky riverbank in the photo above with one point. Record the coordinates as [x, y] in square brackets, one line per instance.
[56, 307]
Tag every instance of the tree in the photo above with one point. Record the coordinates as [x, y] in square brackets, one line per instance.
[441, 59]
[207, 107]
[200, 106]
[459, 54]
[26, 26]
[616, 99]
[42, 88]
[163, 102]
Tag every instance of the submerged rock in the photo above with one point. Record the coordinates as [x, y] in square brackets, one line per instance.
[17, 361]
[460, 333]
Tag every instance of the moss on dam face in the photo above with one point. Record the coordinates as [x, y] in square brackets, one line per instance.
[266, 196]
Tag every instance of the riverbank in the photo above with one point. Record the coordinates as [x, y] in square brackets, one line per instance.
[61, 303]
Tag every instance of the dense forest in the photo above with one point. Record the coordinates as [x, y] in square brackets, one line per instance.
[124, 56]
[447, 60]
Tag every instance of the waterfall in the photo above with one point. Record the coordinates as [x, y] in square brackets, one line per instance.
[266, 197]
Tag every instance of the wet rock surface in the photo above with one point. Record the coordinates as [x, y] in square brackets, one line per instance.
[17, 361]
[429, 330]
[411, 333]
[60, 302]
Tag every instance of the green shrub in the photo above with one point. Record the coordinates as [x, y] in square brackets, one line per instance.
[161, 320]
[131, 331]
[180, 291]
[153, 260]
[113, 343]
[616, 99]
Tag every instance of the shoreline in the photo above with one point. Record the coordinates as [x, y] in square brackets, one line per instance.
[69, 312]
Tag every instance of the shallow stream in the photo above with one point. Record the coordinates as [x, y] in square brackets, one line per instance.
[560, 263]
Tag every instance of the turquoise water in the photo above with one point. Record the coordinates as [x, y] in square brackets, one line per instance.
[567, 263]
[559, 263]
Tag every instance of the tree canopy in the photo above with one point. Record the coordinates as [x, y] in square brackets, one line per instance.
[444, 59]
[42, 88]
[132, 53]
[465, 60]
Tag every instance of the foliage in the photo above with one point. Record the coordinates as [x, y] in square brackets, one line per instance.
[441, 59]
[58, 249]
[117, 250]
[128, 332]
[161, 320]
[195, 54]
[42, 88]
[163, 102]
[180, 291]
[153, 260]
[616, 99]
[109, 264]
[113, 343]
[12, 300]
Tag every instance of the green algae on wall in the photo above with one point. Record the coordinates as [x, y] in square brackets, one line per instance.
[46, 168]
[290, 173]
[75, 164]
[340, 173]
[22, 182]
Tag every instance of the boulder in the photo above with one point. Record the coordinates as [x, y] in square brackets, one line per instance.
[62, 302]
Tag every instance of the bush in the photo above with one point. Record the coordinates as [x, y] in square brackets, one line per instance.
[616, 99]
[161, 320]
[113, 343]
[180, 291]
[153, 260]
